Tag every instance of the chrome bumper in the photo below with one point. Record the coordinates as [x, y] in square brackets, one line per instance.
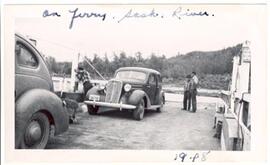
[110, 105]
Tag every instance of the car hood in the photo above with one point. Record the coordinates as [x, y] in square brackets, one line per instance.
[132, 83]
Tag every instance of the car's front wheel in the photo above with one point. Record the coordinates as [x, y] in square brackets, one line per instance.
[92, 110]
[162, 102]
[138, 113]
[36, 133]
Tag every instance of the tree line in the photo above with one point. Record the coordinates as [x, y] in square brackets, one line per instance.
[173, 68]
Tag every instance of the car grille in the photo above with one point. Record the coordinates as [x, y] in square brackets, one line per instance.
[113, 91]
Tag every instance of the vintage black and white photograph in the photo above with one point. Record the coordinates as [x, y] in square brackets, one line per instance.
[175, 77]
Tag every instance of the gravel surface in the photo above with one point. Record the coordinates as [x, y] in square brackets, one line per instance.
[172, 129]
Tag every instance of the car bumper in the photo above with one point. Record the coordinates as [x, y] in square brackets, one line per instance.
[110, 105]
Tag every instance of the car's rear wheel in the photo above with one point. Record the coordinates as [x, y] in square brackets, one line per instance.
[92, 110]
[138, 113]
[36, 133]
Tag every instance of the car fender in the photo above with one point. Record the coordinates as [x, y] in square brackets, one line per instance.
[162, 95]
[39, 100]
[93, 90]
[136, 96]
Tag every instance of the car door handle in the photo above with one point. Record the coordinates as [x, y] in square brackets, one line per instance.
[148, 86]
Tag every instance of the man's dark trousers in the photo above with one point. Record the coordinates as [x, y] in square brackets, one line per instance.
[193, 93]
[86, 86]
[186, 102]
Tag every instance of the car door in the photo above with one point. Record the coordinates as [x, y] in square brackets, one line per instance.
[151, 88]
[158, 89]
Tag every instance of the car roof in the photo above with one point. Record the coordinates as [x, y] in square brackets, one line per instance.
[21, 36]
[141, 69]
[25, 39]
[29, 42]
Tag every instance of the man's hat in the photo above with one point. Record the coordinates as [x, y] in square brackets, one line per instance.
[80, 68]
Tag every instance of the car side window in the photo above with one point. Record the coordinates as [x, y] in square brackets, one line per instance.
[24, 56]
[152, 80]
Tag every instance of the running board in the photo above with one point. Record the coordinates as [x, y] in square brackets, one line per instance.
[153, 107]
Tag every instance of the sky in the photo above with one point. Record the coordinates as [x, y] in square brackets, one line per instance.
[226, 26]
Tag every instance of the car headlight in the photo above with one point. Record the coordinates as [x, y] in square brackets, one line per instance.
[127, 87]
[101, 86]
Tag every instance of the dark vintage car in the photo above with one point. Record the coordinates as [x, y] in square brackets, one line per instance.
[37, 108]
[132, 88]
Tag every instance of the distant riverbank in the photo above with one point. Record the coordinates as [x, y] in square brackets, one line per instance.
[201, 91]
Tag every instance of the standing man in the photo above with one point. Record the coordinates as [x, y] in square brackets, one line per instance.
[82, 76]
[193, 91]
[186, 100]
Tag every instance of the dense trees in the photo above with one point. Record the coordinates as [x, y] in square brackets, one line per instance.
[58, 67]
[172, 69]
[215, 62]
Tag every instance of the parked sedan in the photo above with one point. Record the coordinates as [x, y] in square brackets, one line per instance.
[38, 110]
[132, 88]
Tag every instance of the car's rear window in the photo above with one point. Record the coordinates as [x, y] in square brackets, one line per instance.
[25, 57]
[131, 75]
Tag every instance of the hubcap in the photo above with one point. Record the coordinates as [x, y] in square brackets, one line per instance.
[33, 133]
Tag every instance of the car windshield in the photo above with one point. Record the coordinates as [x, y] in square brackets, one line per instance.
[131, 75]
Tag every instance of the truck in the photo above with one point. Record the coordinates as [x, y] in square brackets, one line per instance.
[233, 115]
